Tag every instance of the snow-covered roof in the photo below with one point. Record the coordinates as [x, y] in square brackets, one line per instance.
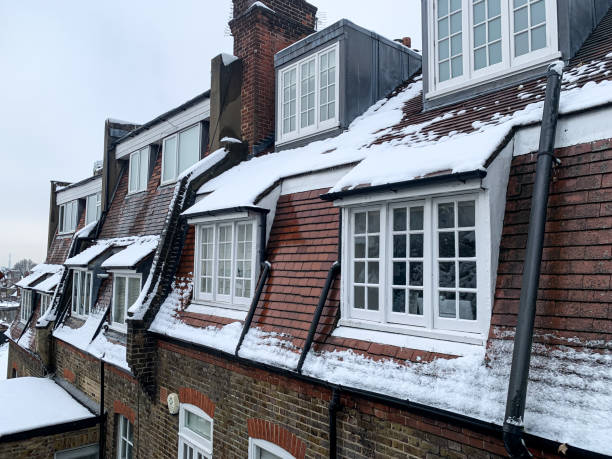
[37, 273]
[392, 143]
[48, 285]
[133, 253]
[91, 253]
[29, 403]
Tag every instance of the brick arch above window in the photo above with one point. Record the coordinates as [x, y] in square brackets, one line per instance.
[266, 430]
[124, 410]
[197, 398]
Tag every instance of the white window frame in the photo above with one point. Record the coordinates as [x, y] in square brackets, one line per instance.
[76, 293]
[127, 275]
[26, 304]
[256, 444]
[67, 227]
[138, 156]
[231, 301]
[427, 325]
[192, 439]
[45, 302]
[92, 215]
[509, 65]
[122, 441]
[77, 453]
[318, 126]
[177, 137]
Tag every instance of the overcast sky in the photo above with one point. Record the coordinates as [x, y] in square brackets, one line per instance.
[66, 66]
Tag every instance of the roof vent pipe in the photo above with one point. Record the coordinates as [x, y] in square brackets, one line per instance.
[517, 386]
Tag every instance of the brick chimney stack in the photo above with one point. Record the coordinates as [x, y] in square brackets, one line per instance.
[261, 29]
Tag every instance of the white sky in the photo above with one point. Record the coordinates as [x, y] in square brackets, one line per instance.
[67, 65]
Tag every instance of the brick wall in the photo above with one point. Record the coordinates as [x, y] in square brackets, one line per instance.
[23, 361]
[259, 33]
[45, 446]
[574, 296]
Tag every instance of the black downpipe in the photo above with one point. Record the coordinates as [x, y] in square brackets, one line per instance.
[102, 413]
[249, 318]
[517, 387]
[331, 275]
[334, 406]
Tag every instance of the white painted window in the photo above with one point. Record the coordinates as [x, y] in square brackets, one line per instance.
[45, 302]
[82, 452]
[125, 438]
[263, 449]
[26, 304]
[139, 170]
[476, 40]
[195, 433]
[81, 293]
[93, 207]
[68, 217]
[415, 263]
[226, 261]
[180, 152]
[308, 95]
[126, 289]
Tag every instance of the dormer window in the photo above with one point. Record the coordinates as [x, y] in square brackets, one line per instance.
[308, 95]
[476, 40]
[180, 152]
[68, 217]
[81, 293]
[92, 212]
[139, 170]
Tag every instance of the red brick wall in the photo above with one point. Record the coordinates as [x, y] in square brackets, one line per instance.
[574, 296]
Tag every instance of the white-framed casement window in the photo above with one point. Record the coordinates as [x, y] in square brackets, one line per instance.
[93, 207]
[26, 305]
[139, 170]
[45, 301]
[180, 152]
[225, 264]
[195, 433]
[125, 438]
[68, 217]
[126, 288]
[476, 40]
[81, 292]
[263, 449]
[308, 92]
[418, 263]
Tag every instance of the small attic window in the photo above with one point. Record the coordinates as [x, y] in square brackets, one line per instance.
[308, 95]
[92, 213]
[476, 40]
[180, 152]
[81, 293]
[139, 170]
[68, 217]
[26, 305]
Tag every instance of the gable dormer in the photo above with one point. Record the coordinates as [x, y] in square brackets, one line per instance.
[473, 46]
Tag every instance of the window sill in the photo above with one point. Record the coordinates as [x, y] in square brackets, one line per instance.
[407, 335]
[471, 83]
[291, 139]
[229, 311]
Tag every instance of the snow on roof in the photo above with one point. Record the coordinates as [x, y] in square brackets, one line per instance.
[49, 284]
[101, 246]
[228, 59]
[569, 397]
[259, 5]
[243, 184]
[29, 403]
[132, 254]
[37, 273]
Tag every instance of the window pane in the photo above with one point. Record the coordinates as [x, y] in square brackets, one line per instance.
[479, 12]
[455, 23]
[289, 100]
[359, 302]
[416, 273]
[495, 53]
[372, 272]
[456, 46]
[443, 28]
[416, 218]
[399, 219]
[538, 13]
[538, 38]
[442, 8]
[447, 305]
[415, 305]
[263, 454]
[360, 247]
[467, 274]
[494, 29]
[447, 274]
[133, 290]
[467, 243]
[443, 50]
[444, 70]
[360, 223]
[446, 245]
[480, 58]
[169, 158]
[373, 298]
[144, 169]
[480, 35]
[399, 273]
[373, 222]
[224, 262]
[494, 7]
[399, 300]
[457, 66]
[521, 19]
[521, 44]
[244, 250]
[198, 424]
[189, 148]
[467, 306]
[399, 246]
[416, 245]
[446, 215]
[360, 272]
[206, 259]
[134, 169]
[455, 5]
[119, 300]
[373, 246]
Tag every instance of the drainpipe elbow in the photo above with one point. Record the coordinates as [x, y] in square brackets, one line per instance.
[514, 442]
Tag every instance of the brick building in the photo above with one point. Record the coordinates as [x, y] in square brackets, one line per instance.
[325, 254]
